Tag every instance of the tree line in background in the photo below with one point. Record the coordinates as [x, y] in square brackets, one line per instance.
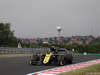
[93, 48]
[7, 39]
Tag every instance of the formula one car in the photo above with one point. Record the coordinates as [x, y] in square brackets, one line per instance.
[58, 56]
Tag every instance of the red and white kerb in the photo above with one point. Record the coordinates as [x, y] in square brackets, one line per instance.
[58, 70]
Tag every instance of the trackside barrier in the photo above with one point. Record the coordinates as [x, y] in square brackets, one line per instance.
[4, 50]
[87, 53]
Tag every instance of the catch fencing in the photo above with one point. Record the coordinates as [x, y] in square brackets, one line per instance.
[4, 50]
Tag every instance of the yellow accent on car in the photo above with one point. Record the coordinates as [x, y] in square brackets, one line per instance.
[61, 64]
[47, 58]
[30, 62]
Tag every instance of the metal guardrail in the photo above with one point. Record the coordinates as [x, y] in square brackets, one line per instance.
[4, 50]
[7, 50]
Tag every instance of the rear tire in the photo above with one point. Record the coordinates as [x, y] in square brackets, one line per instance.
[69, 58]
[61, 60]
[71, 61]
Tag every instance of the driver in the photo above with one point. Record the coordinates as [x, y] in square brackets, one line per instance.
[53, 49]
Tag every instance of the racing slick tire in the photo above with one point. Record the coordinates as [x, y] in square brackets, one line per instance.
[34, 60]
[61, 60]
[69, 58]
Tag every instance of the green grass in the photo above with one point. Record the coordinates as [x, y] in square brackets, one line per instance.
[89, 70]
[12, 55]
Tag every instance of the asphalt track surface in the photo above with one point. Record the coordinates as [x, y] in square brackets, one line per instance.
[20, 65]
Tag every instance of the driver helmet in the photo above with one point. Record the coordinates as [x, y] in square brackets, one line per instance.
[52, 49]
[52, 46]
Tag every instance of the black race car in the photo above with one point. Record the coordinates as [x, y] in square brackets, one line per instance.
[58, 56]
